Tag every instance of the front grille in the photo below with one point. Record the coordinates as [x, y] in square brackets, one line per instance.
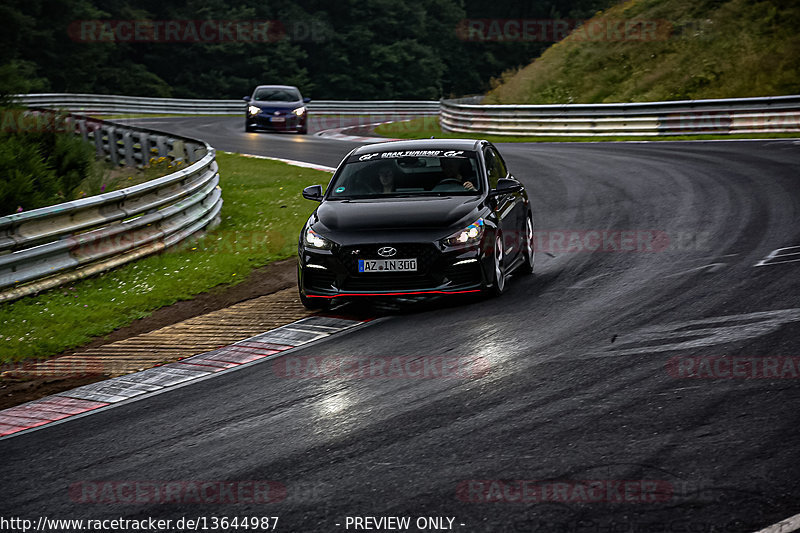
[425, 253]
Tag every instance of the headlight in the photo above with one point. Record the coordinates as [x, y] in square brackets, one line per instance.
[254, 110]
[314, 240]
[299, 111]
[470, 235]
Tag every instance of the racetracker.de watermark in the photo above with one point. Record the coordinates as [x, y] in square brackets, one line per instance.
[62, 368]
[574, 241]
[554, 30]
[380, 367]
[196, 31]
[177, 492]
[733, 367]
[568, 491]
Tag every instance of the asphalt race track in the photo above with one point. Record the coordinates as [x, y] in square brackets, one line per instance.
[579, 382]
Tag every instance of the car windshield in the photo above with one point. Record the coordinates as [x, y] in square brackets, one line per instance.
[407, 173]
[276, 95]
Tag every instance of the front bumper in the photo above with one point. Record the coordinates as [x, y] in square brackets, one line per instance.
[289, 122]
[334, 273]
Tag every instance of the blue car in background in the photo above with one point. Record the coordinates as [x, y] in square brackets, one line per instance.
[276, 108]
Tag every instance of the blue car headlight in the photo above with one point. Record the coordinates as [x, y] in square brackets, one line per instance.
[254, 110]
[472, 234]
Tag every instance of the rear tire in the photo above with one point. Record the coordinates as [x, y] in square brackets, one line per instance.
[528, 248]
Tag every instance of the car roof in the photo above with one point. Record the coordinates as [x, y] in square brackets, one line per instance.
[276, 87]
[420, 144]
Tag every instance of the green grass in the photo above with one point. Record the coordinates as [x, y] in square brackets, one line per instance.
[701, 49]
[178, 115]
[426, 127]
[261, 220]
[115, 116]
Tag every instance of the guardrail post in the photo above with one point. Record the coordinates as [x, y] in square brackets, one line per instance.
[83, 130]
[178, 151]
[112, 145]
[148, 144]
[163, 147]
[127, 142]
[194, 152]
[100, 152]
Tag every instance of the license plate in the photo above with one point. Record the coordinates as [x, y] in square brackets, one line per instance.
[277, 119]
[387, 265]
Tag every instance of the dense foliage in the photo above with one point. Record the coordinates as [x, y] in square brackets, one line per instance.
[352, 49]
[41, 168]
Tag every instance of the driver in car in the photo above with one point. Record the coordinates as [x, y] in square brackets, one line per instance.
[386, 178]
[451, 169]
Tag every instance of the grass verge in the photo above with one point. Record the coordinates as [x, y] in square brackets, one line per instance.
[668, 50]
[117, 116]
[261, 219]
[426, 127]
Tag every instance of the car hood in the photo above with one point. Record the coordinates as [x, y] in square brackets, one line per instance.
[277, 105]
[397, 213]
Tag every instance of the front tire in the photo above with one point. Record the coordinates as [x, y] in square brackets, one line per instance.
[498, 270]
[314, 304]
[248, 127]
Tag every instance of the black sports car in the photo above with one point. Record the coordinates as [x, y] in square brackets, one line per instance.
[276, 108]
[434, 216]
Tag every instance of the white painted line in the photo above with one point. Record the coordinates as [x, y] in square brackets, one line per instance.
[784, 526]
[337, 133]
[779, 262]
[775, 254]
[788, 253]
[666, 140]
[292, 162]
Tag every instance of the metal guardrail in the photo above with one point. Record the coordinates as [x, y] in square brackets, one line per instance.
[95, 104]
[775, 114]
[47, 247]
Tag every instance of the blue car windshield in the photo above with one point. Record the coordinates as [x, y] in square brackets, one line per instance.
[408, 173]
[276, 95]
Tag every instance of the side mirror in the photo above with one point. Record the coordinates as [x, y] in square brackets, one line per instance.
[506, 186]
[314, 192]
[246, 98]
[306, 100]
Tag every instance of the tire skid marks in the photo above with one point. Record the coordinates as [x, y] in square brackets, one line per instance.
[111, 391]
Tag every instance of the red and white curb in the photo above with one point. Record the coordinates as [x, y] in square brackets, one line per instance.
[64, 405]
